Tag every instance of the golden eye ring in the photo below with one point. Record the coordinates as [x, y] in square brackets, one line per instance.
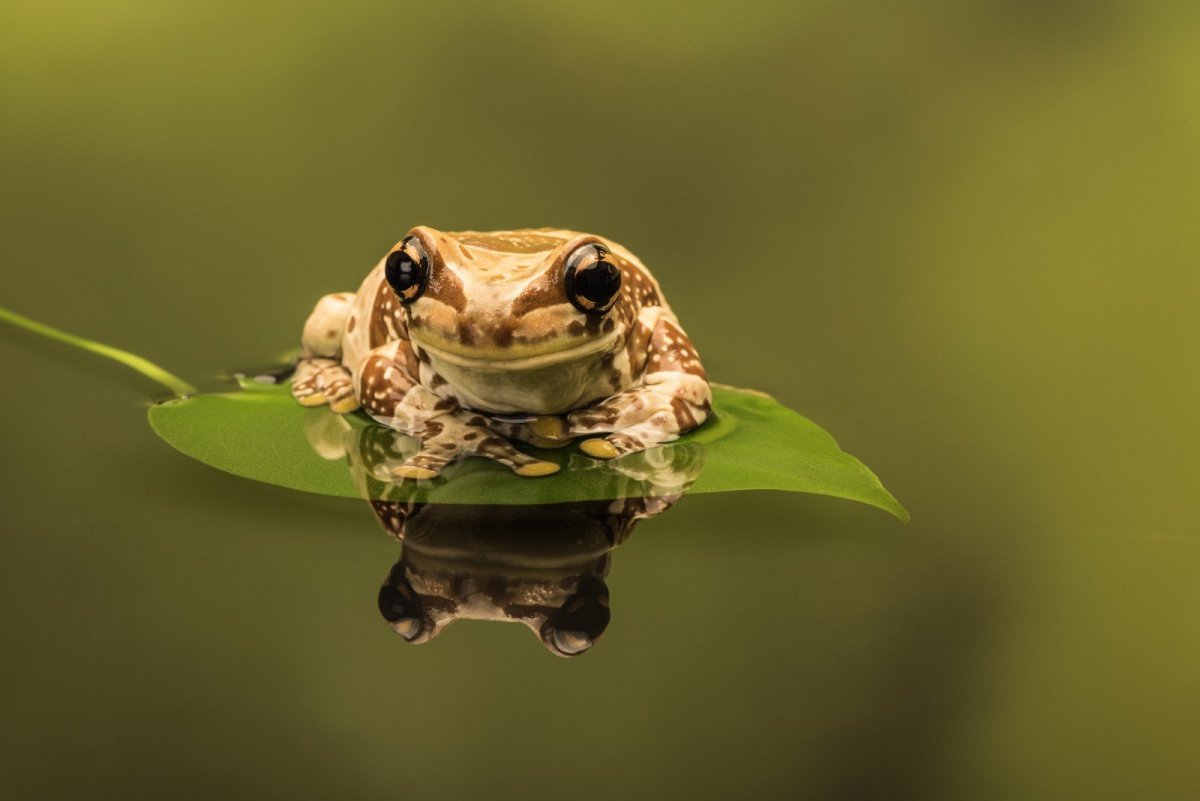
[407, 270]
[593, 282]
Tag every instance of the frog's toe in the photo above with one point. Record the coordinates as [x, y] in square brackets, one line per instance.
[550, 427]
[413, 471]
[526, 432]
[502, 451]
[612, 446]
[310, 398]
[344, 405]
[426, 464]
[599, 449]
[549, 444]
[536, 468]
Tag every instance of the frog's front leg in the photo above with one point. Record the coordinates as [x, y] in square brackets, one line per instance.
[320, 376]
[673, 398]
[391, 395]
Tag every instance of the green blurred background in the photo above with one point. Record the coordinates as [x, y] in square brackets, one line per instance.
[959, 235]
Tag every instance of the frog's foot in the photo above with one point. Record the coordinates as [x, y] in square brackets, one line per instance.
[324, 381]
[634, 439]
[447, 439]
[615, 445]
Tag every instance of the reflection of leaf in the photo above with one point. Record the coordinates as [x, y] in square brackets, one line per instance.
[666, 471]
[753, 443]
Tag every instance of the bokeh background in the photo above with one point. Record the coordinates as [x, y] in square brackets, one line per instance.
[961, 236]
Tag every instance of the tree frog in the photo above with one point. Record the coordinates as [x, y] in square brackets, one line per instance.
[467, 340]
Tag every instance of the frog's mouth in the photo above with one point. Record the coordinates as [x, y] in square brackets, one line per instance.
[515, 358]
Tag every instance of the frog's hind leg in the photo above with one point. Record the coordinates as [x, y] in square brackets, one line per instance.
[320, 376]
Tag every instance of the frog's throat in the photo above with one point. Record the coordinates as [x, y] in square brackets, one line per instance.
[596, 347]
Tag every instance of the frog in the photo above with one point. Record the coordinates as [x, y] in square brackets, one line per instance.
[472, 341]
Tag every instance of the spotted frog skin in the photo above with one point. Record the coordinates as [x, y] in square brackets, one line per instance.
[469, 340]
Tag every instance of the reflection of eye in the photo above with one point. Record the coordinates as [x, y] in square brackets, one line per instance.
[593, 282]
[572, 642]
[400, 607]
[407, 270]
[408, 627]
[580, 621]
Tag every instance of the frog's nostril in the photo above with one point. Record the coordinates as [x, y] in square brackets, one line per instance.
[468, 332]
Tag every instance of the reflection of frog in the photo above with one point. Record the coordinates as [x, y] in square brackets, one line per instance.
[541, 565]
[463, 340]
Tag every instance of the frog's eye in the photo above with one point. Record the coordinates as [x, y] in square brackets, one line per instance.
[593, 282]
[407, 269]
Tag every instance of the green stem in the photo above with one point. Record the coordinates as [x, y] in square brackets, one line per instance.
[143, 366]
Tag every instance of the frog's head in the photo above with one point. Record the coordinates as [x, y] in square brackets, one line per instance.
[548, 306]
[508, 297]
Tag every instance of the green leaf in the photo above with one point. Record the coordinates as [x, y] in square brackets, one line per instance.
[751, 443]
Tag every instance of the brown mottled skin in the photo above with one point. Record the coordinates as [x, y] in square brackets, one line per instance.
[493, 349]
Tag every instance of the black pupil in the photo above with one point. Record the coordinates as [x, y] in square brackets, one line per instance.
[598, 282]
[403, 272]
